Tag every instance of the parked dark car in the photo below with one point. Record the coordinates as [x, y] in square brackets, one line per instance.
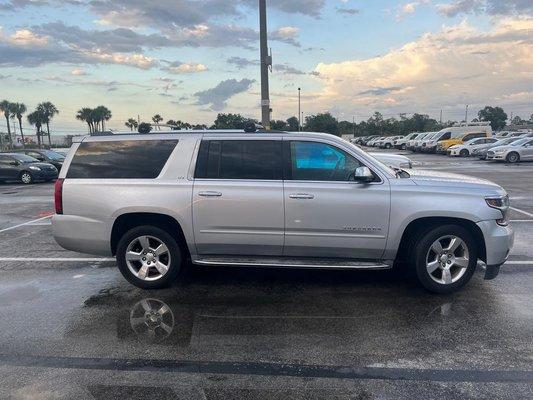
[26, 169]
[47, 156]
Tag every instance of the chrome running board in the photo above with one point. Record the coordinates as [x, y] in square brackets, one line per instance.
[291, 262]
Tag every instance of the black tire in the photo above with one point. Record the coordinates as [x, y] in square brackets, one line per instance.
[513, 157]
[388, 146]
[404, 147]
[464, 153]
[26, 177]
[176, 257]
[421, 248]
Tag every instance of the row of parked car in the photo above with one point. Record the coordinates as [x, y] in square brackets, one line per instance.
[462, 141]
[30, 165]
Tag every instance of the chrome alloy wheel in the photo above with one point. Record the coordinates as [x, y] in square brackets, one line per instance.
[26, 178]
[447, 259]
[148, 258]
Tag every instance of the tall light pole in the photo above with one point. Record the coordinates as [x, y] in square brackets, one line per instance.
[299, 110]
[466, 114]
[266, 62]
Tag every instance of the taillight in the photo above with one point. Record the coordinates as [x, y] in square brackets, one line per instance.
[58, 195]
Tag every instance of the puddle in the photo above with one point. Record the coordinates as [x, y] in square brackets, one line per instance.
[15, 295]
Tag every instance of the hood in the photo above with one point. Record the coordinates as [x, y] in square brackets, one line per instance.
[500, 148]
[457, 181]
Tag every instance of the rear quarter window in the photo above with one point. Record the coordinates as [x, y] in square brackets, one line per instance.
[125, 159]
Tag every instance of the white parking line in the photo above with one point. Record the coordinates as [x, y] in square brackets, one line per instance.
[522, 211]
[57, 259]
[521, 220]
[519, 262]
[25, 223]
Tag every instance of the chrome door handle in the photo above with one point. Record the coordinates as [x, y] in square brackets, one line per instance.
[210, 193]
[302, 196]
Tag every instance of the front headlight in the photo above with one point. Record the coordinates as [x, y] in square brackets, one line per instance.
[499, 150]
[502, 204]
[34, 168]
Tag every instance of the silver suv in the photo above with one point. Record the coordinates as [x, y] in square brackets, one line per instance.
[301, 200]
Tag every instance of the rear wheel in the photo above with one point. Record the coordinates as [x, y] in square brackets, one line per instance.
[464, 153]
[149, 257]
[26, 177]
[513, 157]
[388, 145]
[445, 258]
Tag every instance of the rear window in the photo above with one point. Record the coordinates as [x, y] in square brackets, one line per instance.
[128, 159]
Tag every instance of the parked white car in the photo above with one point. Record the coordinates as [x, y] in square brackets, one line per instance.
[467, 149]
[401, 143]
[388, 143]
[393, 160]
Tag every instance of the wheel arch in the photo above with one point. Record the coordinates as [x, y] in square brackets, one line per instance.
[414, 227]
[127, 221]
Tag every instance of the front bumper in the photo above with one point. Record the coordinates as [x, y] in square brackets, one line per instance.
[499, 241]
[496, 156]
[453, 152]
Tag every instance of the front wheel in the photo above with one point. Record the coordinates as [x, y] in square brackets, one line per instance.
[26, 177]
[464, 153]
[149, 257]
[445, 258]
[513, 157]
[388, 146]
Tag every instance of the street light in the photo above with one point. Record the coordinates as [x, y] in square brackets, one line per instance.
[266, 62]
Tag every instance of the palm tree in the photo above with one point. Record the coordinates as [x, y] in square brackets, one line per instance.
[18, 110]
[48, 110]
[5, 107]
[85, 114]
[132, 123]
[102, 114]
[38, 119]
[157, 119]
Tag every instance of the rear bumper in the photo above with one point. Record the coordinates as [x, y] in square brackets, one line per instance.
[44, 175]
[81, 234]
[499, 241]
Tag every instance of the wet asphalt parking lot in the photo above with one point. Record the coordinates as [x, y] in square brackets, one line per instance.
[72, 327]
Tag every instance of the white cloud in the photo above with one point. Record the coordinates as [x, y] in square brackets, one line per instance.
[78, 72]
[25, 37]
[459, 64]
[185, 68]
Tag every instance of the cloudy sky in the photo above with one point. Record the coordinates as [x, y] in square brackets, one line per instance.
[190, 59]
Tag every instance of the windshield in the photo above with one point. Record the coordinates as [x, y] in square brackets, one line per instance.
[24, 159]
[52, 155]
[504, 142]
[520, 142]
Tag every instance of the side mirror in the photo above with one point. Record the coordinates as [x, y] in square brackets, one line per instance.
[363, 175]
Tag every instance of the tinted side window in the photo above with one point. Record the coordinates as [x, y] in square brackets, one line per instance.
[239, 159]
[128, 159]
[36, 155]
[446, 136]
[314, 161]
